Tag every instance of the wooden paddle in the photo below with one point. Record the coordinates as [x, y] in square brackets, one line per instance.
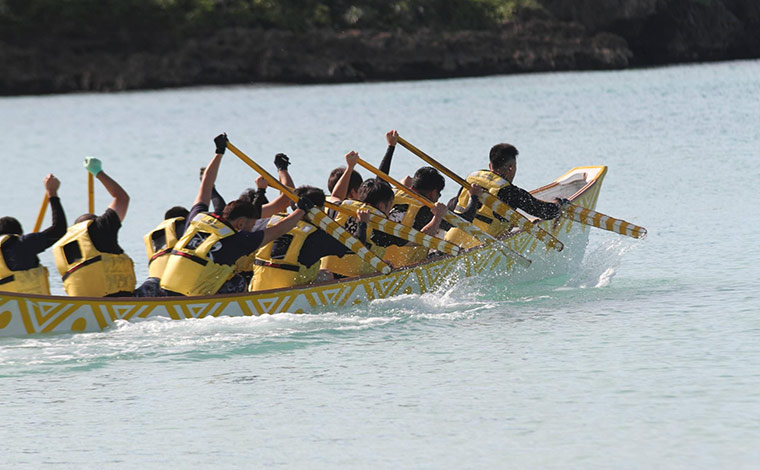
[451, 217]
[90, 193]
[605, 222]
[41, 214]
[401, 231]
[497, 206]
[318, 217]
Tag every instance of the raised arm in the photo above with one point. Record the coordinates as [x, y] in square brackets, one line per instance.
[212, 169]
[340, 191]
[58, 228]
[392, 138]
[120, 201]
[281, 202]
[282, 162]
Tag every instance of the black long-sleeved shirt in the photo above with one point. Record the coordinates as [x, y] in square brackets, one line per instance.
[20, 253]
[385, 165]
[515, 198]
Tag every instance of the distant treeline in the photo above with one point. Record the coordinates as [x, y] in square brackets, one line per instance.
[127, 21]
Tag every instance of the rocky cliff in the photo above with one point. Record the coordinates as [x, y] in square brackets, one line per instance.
[563, 35]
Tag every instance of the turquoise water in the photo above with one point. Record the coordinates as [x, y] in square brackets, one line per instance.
[647, 357]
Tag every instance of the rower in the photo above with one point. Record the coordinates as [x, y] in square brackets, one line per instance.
[375, 196]
[408, 211]
[88, 256]
[344, 182]
[264, 209]
[293, 259]
[158, 245]
[20, 268]
[497, 180]
[203, 261]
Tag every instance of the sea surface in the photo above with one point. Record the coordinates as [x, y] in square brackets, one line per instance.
[647, 357]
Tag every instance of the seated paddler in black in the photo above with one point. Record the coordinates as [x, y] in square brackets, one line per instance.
[497, 180]
[20, 268]
[203, 261]
[89, 257]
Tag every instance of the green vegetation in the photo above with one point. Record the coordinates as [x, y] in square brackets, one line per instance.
[146, 21]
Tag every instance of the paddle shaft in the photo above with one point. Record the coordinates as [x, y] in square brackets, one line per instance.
[318, 217]
[451, 217]
[496, 205]
[41, 214]
[90, 193]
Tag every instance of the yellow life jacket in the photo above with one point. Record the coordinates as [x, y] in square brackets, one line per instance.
[410, 254]
[189, 269]
[159, 243]
[27, 281]
[282, 269]
[245, 263]
[88, 272]
[484, 219]
[353, 265]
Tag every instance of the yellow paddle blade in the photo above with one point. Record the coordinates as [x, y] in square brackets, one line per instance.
[401, 231]
[517, 219]
[332, 227]
[605, 222]
[484, 237]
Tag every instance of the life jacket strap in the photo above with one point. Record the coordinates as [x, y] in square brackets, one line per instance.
[8, 279]
[197, 259]
[159, 254]
[287, 267]
[82, 265]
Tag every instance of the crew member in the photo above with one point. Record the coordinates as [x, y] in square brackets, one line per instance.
[89, 257]
[203, 261]
[20, 268]
[293, 259]
[158, 245]
[265, 209]
[344, 182]
[375, 197]
[406, 210]
[497, 180]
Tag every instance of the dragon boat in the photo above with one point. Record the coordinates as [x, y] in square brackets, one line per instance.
[24, 314]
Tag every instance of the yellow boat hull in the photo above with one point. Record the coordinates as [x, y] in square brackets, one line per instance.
[22, 314]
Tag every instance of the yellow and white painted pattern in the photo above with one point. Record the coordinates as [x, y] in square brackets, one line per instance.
[599, 220]
[22, 314]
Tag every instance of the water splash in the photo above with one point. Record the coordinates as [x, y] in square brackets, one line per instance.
[601, 264]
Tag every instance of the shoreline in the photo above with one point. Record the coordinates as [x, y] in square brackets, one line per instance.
[244, 56]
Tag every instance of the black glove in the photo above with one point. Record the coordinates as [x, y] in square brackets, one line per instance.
[221, 143]
[304, 204]
[281, 161]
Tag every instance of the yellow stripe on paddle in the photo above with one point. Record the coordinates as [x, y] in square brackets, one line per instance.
[497, 206]
[604, 222]
[41, 214]
[90, 193]
[450, 217]
[318, 217]
[401, 231]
